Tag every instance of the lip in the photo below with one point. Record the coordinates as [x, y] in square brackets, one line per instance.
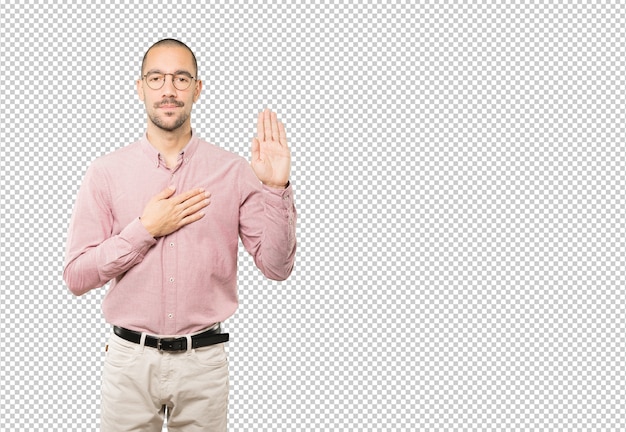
[168, 106]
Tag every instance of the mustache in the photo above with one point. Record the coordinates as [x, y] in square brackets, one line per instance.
[169, 102]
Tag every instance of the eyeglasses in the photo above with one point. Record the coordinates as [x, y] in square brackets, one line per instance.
[156, 80]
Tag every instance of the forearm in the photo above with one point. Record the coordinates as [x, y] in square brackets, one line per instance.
[90, 267]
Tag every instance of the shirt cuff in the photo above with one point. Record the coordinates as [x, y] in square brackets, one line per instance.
[138, 236]
[279, 197]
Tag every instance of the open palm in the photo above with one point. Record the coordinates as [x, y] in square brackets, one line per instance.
[271, 157]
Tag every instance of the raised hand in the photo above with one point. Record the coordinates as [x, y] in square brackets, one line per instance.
[271, 158]
[165, 213]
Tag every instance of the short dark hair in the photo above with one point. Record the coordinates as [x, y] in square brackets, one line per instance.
[170, 42]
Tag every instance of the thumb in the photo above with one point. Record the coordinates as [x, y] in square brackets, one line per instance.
[256, 149]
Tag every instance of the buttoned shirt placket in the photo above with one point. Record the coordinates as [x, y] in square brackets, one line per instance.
[170, 256]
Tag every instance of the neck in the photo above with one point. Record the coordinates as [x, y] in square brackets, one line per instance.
[169, 143]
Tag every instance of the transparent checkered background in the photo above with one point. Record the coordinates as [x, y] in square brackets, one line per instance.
[459, 175]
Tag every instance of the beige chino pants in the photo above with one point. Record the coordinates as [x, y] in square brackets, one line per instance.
[139, 382]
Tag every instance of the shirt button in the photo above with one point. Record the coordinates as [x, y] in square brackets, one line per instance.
[171, 279]
[170, 316]
[172, 244]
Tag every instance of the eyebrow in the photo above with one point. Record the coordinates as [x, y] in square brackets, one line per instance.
[178, 72]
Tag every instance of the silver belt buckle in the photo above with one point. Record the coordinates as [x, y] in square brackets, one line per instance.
[159, 345]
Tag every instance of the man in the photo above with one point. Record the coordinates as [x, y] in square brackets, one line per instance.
[161, 219]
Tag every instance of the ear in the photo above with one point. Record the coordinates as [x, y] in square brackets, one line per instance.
[196, 93]
[139, 85]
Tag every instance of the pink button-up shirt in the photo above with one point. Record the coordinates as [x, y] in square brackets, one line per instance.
[183, 282]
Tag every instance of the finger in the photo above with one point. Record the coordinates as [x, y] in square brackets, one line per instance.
[190, 219]
[191, 202]
[185, 196]
[255, 149]
[260, 129]
[196, 207]
[165, 193]
[282, 134]
[267, 122]
[274, 121]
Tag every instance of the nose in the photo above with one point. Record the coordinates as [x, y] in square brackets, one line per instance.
[168, 88]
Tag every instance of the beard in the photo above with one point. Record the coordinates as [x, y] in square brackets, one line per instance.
[162, 121]
[163, 124]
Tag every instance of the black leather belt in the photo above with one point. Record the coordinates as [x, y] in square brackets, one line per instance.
[209, 337]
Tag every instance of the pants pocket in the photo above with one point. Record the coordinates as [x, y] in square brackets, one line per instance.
[120, 352]
[212, 356]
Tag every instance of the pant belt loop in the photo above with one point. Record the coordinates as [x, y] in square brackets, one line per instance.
[142, 342]
[189, 346]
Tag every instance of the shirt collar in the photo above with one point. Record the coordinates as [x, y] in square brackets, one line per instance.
[188, 151]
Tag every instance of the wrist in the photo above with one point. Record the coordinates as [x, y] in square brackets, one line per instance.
[274, 186]
[149, 228]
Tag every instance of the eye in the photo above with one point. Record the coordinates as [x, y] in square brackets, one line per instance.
[182, 79]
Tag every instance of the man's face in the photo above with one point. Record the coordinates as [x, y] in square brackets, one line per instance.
[169, 108]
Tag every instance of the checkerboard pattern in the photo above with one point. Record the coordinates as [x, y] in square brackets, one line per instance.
[459, 173]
